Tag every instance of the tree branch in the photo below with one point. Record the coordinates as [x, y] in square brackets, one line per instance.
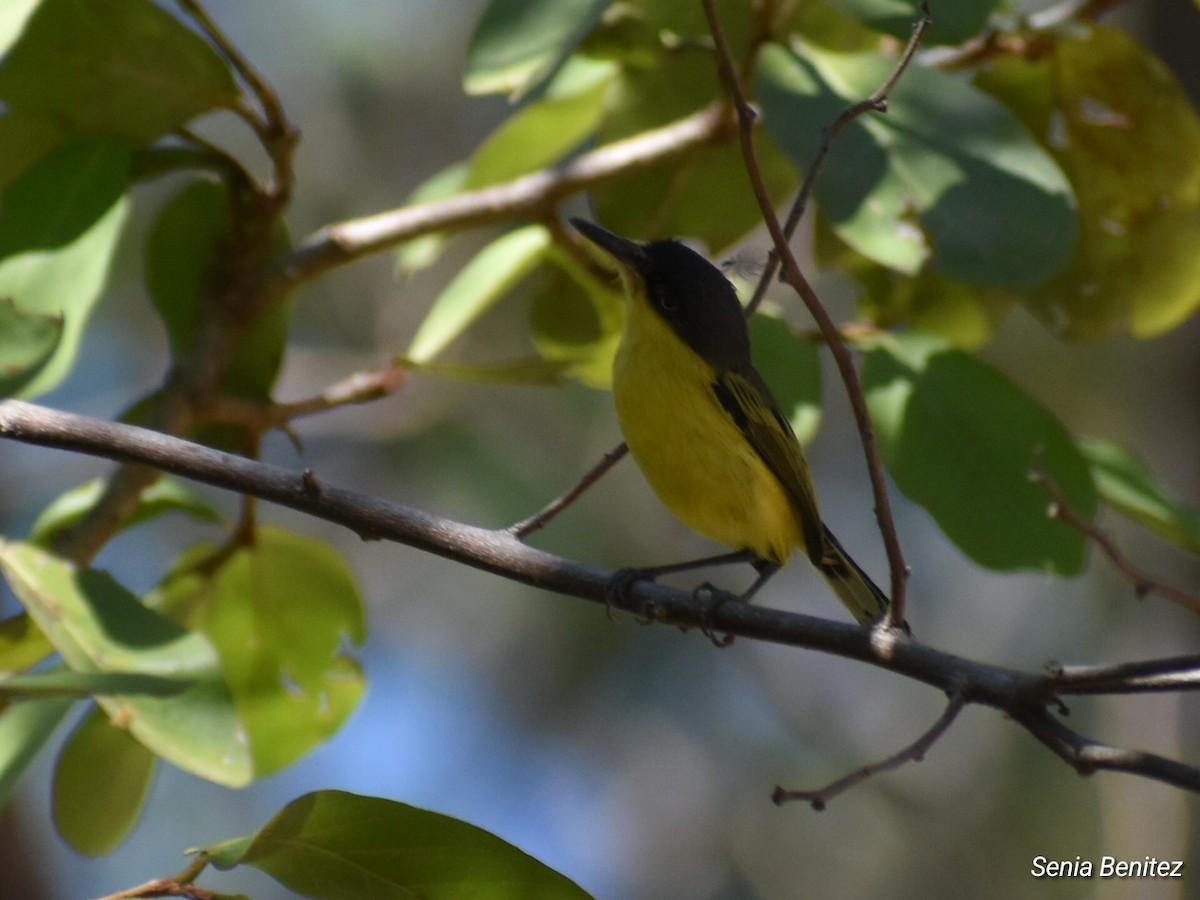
[530, 196]
[1026, 698]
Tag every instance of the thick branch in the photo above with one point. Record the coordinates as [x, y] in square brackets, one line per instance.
[531, 196]
[1023, 696]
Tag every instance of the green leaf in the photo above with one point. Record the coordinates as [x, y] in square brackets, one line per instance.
[22, 644]
[531, 371]
[335, 845]
[100, 785]
[791, 367]
[494, 271]
[424, 251]
[25, 139]
[27, 343]
[59, 226]
[576, 320]
[953, 22]
[127, 70]
[99, 626]
[164, 496]
[1125, 483]
[65, 683]
[966, 315]
[187, 241]
[518, 44]
[545, 131]
[279, 612]
[13, 16]
[948, 174]
[960, 440]
[1128, 135]
[24, 730]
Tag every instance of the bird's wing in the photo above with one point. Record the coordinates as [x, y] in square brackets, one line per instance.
[749, 403]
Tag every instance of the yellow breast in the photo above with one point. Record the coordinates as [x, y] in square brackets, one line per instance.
[688, 447]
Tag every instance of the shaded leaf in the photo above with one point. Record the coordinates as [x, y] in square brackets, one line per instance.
[127, 70]
[166, 495]
[25, 139]
[531, 371]
[948, 175]
[279, 613]
[65, 683]
[952, 22]
[519, 43]
[1125, 483]
[99, 626]
[487, 278]
[59, 226]
[22, 644]
[24, 730]
[960, 440]
[100, 785]
[27, 342]
[336, 845]
[791, 367]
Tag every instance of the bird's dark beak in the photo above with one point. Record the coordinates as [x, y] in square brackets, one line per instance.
[623, 251]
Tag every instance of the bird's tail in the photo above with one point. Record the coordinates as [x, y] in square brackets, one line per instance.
[852, 585]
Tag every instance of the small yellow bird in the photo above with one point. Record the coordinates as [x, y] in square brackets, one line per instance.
[703, 426]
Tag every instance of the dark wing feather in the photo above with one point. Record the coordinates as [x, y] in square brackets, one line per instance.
[749, 403]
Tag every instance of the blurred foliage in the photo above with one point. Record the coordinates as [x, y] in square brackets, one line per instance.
[1052, 167]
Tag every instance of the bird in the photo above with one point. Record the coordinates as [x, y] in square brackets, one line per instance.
[703, 426]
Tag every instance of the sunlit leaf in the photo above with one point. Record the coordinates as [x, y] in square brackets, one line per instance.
[494, 271]
[519, 43]
[165, 495]
[99, 626]
[543, 132]
[960, 440]
[100, 785]
[279, 612]
[424, 251]
[530, 371]
[59, 225]
[1125, 483]
[1128, 135]
[948, 175]
[335, 845]
[128, 70]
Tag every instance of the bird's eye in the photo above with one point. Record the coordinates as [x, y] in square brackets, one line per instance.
[666, 302]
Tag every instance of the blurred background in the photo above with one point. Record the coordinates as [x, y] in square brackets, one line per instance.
[637, 760]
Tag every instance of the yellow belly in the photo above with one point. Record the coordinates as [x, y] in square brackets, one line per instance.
[688, 447]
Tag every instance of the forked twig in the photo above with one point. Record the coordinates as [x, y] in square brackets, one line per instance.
[841, 354]
[914, 752]
[1143, 584]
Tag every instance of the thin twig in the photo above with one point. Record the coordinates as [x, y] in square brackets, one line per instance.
[1143, 584]
[1022, 696]
[914, 752]
[841, 354]
[274, 130]
[526, 527]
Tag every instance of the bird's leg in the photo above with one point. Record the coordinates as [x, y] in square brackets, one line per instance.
[624, 579]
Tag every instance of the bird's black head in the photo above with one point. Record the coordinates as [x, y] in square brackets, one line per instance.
[688, 291]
